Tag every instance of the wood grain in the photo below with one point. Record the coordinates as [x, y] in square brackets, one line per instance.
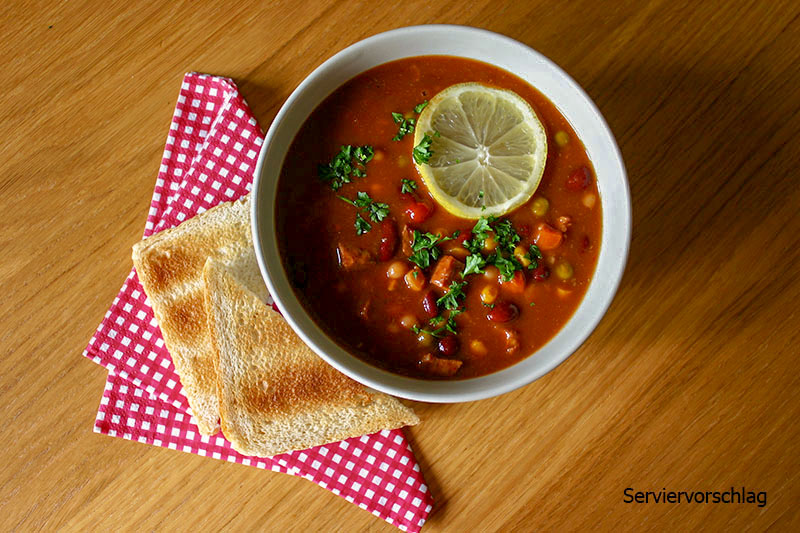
[689, 383]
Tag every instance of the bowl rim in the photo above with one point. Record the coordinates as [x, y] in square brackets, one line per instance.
[436, 391]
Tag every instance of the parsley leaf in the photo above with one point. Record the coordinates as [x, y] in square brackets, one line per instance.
[425, 248]
[506, 236]
[377, 211]
[475, 264]
[345, 165]
[406, 125]
[534, 255]
[435, 321]
[361, 225]
[408, 186]
[451, 325]
[507, 267]
[420, 106]
[454, 293]
[422, 152]
[480, 232]
[444, 324]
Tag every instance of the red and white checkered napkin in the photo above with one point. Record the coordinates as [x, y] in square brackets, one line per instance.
[210, 157]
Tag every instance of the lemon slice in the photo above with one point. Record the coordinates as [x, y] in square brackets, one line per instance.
[488, 150]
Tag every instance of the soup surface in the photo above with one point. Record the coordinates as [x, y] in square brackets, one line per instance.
[359, 251]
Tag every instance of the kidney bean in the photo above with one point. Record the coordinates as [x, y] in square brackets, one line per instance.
[541, 272]
[580, 178]
[448, 346]
[388, 240]
[503, 312]
[429, 304]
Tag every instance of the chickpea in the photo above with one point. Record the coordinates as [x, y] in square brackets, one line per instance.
[521, 255]
[415, 279]
[396, 270]
[561, 138]
[489, 294]
[402, 161]
[409, 321]
[478, 348]
[563, 293]
[539, 206]
[489, 244]
[425, 339]
[589, 200]
[564, 270]
[379, 155]
[491, 273]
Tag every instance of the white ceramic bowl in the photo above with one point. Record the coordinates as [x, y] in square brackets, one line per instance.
[529, 65]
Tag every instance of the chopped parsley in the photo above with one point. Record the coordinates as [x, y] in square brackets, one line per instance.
[406, 125]
[454, 293]
[420, 106]
[475, 264]
[447, 324]
[376, 211]
[506, 266]
[408, 186]
[534, 255]
[425, 248]
[480, 232]
[361, 225]
[349, 163]
[422, 152]
[503, 258]
[506, 236]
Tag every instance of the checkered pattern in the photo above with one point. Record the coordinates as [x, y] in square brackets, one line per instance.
[210, 156]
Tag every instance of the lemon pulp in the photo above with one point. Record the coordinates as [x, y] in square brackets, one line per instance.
[488, 150]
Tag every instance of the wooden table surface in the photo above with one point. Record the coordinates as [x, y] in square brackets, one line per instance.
[689, 383]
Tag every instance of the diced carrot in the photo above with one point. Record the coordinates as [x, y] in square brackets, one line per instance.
[547, 237]
[516, 285]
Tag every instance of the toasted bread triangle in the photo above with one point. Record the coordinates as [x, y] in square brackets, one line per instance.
[170, 267]
[276, 395]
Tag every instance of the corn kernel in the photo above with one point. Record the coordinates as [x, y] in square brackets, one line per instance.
[478, 348]
[489, 244]
[408, 321]
[564, 270]
[540, 206]
[561, 138]
[425, 339]
[489, 294]
[521, 254]
[491, 273]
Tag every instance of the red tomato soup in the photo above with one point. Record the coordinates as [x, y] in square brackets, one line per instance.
[362, 281]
